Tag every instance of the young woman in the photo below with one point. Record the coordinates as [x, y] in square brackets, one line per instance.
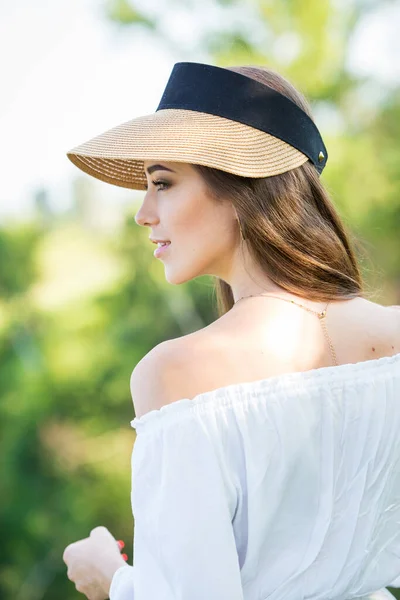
[267, 457]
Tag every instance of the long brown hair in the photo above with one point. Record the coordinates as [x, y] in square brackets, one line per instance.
[291, 226]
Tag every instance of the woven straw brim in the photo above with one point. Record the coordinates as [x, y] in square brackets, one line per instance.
[176, 135]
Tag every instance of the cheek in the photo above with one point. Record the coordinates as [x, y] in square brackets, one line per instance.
[193, 219]
[212, 230]
[186, 216]
[219, 225]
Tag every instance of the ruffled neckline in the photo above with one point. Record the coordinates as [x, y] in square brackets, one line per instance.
[314, 377]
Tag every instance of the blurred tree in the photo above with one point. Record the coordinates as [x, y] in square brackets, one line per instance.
[79, 308]
[121, 11]
[17, 267]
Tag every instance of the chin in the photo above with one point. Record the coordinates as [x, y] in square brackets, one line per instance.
[179, 276]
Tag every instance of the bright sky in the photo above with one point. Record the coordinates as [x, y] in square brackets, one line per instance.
[68, 75]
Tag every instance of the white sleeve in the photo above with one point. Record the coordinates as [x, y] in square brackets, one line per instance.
[184, 545]
[395, 583]
[122, 584]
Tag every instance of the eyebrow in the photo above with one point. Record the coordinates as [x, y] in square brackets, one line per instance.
[153, 168]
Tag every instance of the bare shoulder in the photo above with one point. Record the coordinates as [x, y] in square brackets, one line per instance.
[165, 374]
[244, 347]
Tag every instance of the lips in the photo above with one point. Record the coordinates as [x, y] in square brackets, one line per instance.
[161, 249]
[156, 241]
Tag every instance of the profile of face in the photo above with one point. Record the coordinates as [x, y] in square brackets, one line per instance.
[203, 233]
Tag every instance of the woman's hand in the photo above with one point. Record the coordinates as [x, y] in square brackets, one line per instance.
[92, 563]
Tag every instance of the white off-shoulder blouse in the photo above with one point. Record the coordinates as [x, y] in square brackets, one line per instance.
[286, 488]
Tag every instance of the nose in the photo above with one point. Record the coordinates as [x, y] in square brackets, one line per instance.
[146, 217]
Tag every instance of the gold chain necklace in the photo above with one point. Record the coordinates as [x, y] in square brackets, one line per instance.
[321, 316]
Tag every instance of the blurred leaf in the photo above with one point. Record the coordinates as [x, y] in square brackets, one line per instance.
[17, 259]
[125, 13]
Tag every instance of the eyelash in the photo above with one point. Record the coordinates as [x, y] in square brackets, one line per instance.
[160, 182]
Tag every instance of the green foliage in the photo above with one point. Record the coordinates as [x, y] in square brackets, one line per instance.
[17, 247]
[79, 309]
[123, 12]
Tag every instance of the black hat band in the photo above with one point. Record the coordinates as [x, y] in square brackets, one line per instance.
[224, 93]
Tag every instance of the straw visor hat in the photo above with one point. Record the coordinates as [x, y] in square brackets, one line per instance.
[207, 116]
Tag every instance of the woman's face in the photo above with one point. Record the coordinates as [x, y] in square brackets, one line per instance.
[177, 207]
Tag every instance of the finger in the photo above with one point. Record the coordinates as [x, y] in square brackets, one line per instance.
[67, 553]
[100, 529]
[121, 544]
[71, 550]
